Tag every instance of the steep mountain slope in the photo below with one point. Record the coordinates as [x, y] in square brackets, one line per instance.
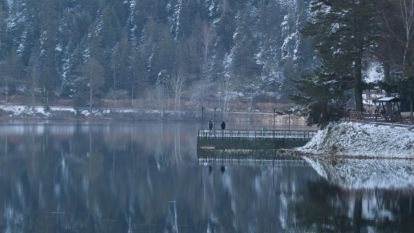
[183, 47]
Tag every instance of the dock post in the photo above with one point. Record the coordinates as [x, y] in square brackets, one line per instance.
[214, 122]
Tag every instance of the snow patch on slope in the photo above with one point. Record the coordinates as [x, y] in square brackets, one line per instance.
[368, 140]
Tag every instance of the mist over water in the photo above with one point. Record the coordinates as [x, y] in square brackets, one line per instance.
[145, 177]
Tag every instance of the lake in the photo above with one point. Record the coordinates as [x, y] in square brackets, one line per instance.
[146, 177]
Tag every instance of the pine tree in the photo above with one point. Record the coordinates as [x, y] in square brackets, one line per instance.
[46, 47]
[343, 33]
[322, 95]
[3, 30]
[120, 63]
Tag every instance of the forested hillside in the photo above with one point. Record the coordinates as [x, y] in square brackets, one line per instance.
[194, 49]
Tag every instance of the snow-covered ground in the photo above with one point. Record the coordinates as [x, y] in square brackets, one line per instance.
[351, 173]
[24, 110]
[362, 140]
[41, 111]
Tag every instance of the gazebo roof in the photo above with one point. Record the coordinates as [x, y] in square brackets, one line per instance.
[387, 99]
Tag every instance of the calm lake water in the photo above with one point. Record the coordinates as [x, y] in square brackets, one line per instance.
[145, 177]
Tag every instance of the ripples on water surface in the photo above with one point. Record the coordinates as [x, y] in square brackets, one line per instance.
[146, 177]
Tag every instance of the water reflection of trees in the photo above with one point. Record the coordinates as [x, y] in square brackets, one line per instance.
[360, 196]
[90, 178]
[145, 179]
[331, 209]
[105, 180]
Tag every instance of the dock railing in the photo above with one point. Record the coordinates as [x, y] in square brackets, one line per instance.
[257, 134]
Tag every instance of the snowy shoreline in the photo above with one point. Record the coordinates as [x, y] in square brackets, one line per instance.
[26, 112]
[68, 113]
[369, 140]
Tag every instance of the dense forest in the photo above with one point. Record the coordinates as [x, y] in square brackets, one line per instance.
[199, 50]
[317, 52]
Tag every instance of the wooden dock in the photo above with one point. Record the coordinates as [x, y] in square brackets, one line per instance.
[303, 135]
[252, 139]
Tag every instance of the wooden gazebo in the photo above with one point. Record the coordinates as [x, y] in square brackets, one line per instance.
[388, 108]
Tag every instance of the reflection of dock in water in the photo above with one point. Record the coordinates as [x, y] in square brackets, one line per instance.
[248, 157]
[268, 162]
[258, 146]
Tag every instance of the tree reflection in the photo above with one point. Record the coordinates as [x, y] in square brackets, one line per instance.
[349, 200]
[145, 178]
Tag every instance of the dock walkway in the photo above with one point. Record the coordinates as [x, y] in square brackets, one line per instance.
[302, 135]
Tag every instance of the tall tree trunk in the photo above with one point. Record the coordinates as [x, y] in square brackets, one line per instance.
[90, 99]
[114, 74]
[358, 84]
[132, 96]
[411, 109]
[407, 13]
[33, 88]
[359, 46]
[387, 73]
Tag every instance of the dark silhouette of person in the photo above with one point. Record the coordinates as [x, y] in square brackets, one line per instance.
[223, 125]
[210, 125]
[210, 169]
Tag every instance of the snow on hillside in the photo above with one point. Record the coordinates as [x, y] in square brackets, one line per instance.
[365, 173]
[358, 139]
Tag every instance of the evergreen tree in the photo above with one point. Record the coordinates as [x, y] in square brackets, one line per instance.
[48, 18]
[226, 26]
[3, 30]
[244, 67]
[111, 28]
[138, 80]
[11, 73]
[120, 64]
[322, 95]
[343, 33]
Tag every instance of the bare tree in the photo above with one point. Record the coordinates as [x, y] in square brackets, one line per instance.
[93, 72]
[161, 82]
[226, 96]
[177, 85]
[208, 36]
[407, 17]
[114, 61]
[407, 13]
[33, 72]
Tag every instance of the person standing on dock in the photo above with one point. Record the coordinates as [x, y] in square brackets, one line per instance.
[223, 125]
[210, 125]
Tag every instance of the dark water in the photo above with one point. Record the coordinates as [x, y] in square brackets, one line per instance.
[146, 177]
